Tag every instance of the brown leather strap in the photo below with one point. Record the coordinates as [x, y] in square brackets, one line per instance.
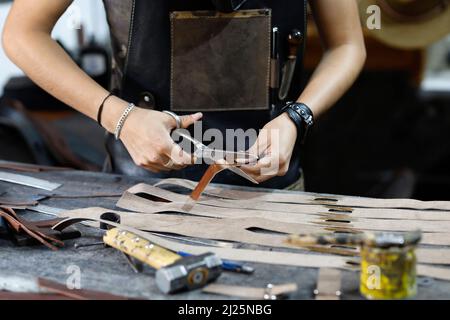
[21, 225]
[77, 294]
[25, 167]
[328, 284]
[271, 292]
[207, 177]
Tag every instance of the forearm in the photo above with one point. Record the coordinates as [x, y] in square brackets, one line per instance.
[335, 74]
[49, 66]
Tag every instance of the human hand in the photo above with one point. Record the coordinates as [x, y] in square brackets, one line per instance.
[146, 136]
[274, 147]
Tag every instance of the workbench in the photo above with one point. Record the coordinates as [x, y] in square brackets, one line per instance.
[105, 269]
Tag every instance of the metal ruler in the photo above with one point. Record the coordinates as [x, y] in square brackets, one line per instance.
[28, 181]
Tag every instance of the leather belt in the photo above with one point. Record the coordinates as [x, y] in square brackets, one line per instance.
[271, 292]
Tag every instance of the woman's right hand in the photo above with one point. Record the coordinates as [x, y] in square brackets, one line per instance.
[146, 136]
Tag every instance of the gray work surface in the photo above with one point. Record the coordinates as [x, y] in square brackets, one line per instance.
[105, 269]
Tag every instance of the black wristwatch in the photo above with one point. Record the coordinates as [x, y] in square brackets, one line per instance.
[302, 116]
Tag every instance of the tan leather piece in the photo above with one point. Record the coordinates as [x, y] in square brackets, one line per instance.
[321, 210]
[256, 256]
[329, 222]
[328, 284]
[135, 203]
[251, 292]
[235, 230]
[312, 198]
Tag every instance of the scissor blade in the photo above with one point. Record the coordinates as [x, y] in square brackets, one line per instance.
[241, 173]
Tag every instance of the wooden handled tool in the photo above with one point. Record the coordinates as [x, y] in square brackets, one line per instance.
[174, 272]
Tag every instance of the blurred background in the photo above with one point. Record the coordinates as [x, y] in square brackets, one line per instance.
[389, 136]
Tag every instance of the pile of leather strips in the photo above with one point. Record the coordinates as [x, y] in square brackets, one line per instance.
[233, 214]
[40, 231]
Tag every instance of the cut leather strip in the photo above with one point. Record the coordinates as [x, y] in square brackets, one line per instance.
[80, 294]
[322, 210]
[134, 203]
[235, 230]
[20, 226]
[328, 284]
[269, 293]
[314, 198]
[25, 167]
[356, 224]
[256, 256]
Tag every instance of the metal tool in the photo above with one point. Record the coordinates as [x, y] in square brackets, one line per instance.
[231, 159]
[295, 40]
[85, 245]
[28, 181]
[174, 273]
[388, 260]
[229, 265]
[275, 67]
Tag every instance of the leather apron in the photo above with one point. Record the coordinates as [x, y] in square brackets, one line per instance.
[142, 61]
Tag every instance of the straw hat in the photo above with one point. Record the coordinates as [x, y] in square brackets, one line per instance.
[410, 24]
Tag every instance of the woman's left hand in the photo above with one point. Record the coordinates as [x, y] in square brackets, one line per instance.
[274, 147]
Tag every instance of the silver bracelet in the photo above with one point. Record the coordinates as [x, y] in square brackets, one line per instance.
[122, 119]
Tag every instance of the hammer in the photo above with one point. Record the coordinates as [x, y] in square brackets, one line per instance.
[174, 272]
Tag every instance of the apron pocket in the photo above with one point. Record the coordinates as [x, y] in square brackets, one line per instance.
[220, 61]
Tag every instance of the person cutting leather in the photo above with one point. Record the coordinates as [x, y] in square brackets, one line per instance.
[180, 62]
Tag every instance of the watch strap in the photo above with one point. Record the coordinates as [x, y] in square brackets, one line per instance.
[302, 117]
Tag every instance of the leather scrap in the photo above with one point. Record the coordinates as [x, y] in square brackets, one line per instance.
[20, 225]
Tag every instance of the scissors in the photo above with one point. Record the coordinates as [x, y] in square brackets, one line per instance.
[231, 160]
